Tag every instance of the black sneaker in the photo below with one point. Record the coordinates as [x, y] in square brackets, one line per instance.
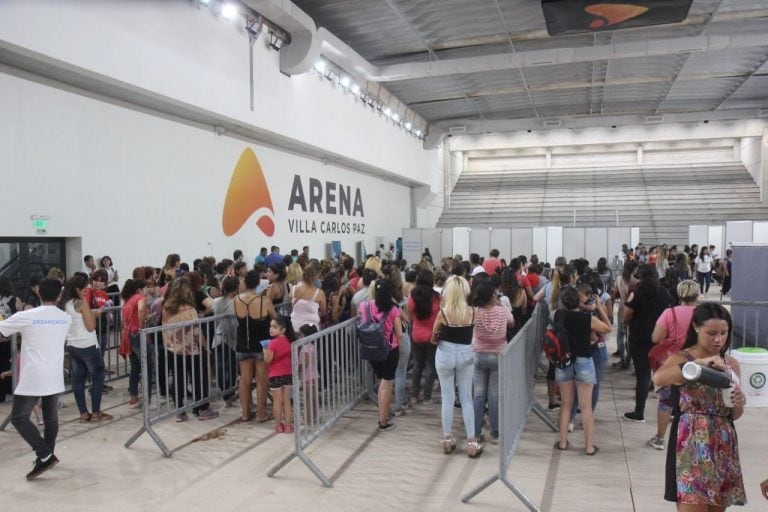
[553, 406]
[387, 427]
[631, 416]
[41, 467]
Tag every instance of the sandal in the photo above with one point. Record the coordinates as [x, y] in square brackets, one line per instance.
[246, 419]
[268, 417]
[85, 418]
[449, 444]
[473, 449]
[567, 444]
[595, 449]
[101, 416]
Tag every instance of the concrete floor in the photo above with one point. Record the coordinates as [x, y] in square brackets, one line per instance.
[405, 469]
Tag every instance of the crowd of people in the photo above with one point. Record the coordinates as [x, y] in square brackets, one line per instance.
[446, 323]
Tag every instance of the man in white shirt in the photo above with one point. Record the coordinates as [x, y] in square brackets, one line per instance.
[89, 266]
[44, 333]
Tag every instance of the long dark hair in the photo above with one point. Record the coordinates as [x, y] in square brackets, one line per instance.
[285, 323]
[70, 290]
[424, 295]
[602, 265]
[628, 270]
[708, 311]
[131, 286]
[383, 297]
[483, 293]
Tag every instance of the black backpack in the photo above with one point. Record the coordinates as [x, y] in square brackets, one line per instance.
[370, 337]
[557, 342]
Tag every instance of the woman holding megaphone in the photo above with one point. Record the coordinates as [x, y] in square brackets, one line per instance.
[703, 470]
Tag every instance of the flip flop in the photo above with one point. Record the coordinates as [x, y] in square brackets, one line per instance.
[595, 450]
[246, 419]
[270, 416]
[557, 445]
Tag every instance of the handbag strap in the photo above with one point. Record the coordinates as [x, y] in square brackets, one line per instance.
[674, 319]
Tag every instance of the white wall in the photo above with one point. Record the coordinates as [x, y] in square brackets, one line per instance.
[181, 54]
[137, 187]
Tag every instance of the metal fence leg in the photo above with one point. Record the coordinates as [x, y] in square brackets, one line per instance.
[146, 395]
[312, 467]
[280, 465]
[480, 488]
[542, 414]
[520, 495]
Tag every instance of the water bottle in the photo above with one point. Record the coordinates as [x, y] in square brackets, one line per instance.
[694, 372]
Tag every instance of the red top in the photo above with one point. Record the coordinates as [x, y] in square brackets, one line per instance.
[281, 362]
[100, 298]
[421, 328]
[130, 322]
[491, 265]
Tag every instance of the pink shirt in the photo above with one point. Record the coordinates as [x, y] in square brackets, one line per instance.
[281, 362]
[676, 332]
[389, 321]
[490, 334]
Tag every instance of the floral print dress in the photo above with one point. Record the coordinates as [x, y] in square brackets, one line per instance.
[703, 465]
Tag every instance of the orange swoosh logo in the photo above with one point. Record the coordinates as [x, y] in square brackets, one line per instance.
[248, 193]
[612, 14]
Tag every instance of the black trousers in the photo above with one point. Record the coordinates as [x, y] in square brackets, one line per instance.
[639, 352]
[22, 408]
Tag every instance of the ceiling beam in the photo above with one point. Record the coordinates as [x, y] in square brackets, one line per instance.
[744, 80]
[557, 56]
[440, 130]
[578, 84]
[542, 34]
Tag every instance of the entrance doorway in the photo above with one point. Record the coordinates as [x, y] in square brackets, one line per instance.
[22, 258]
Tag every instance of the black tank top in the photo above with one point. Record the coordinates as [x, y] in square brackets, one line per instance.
[251, 331]
[459, 334]
[579, 326]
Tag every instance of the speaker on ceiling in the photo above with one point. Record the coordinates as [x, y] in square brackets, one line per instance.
[578, 16]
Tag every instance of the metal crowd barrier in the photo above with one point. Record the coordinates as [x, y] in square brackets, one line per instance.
[184, 377]
[328, 381]
[108, 330]
[517, 372]
[14, 341]
[750, 323]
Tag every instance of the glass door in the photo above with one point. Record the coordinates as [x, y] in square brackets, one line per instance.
[21, 258]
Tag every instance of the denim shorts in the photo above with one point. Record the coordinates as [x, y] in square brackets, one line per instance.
[247, 356]
[280, 381]
[583, 371]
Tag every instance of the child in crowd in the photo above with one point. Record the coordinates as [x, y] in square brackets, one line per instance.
[278, 356]
[309, 373]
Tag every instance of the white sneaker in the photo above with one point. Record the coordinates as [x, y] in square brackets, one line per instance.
[570, 427]
[656, 442]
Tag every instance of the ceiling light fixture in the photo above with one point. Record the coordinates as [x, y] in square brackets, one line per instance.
[355, 89]
[345, 82]
[408, 126]
[320, 66]
[387, 111]
[275, 41]
[229, 11]
[395, 117]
